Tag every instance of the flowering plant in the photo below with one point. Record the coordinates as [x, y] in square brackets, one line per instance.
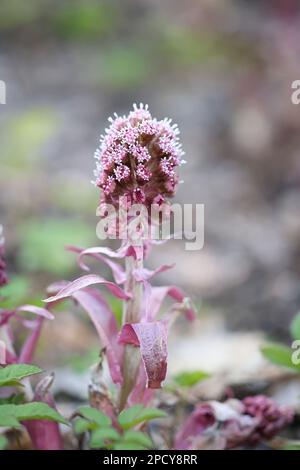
[136, 161]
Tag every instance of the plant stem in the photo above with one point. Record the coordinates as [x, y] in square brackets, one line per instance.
[131, 314]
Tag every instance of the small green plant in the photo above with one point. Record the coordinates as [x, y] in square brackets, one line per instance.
[282, 355]
[119, 435]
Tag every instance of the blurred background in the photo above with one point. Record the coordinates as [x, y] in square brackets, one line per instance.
[222, 69]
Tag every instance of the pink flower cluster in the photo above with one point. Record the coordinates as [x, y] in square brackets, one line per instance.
[232, 424]
[271, 417]
[137, 158]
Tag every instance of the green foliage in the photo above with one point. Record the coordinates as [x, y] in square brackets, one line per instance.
[11, 415]
[117, 308]
[104, 435]
[95, 416]
[14, 293]
[279, 354]
[137, 414]
[3, 442]
[61, 193]
[14, 399]
[84, 20]
[188, 379]
[295, 327]
[17, 12]
[26, 133]
[125, 66]
[291, 445]
[43, 243]
[12, 374]
[82, 362]
[101, 436]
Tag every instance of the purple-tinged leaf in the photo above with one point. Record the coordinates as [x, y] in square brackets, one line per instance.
[202, 418]
[105, 323]
[152, 340]
[146, 274]
[117, 270]
[86, 281]
[103, 250]
[42, 312]
[160, 293]
[28, 348]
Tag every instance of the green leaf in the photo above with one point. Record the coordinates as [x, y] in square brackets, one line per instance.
[82, 362]
[7, 420]
[295, 327]
[100, 436]
[137, 414]
[3, 442]
[81, 425]
[15, 372]
[95, 415]
[137, 437]
[12, 414]
[279, 354]
[188, 379]
[291, 445]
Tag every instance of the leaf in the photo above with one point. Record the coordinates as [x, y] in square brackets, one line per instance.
[81, 425]
[85, 281]
[3, 442]
[137, 437]
[158, 295]
[14, 399]
[130, 417]
[151, 337]
[105, 323]
[28, 411]
[147, 274]
[101, 435]
[16, 372]
[291, 445]
[117, 270]
[95, 416]
[279, 354]
[295, 327]
[6, 419]
[190, 378]
[42, 312]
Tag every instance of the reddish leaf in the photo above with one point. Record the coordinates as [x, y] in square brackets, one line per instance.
[105, 323]
[152, 340]
[42, 312]
[160, 293]
[146, 274]
[117, 270]
[86, 281]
